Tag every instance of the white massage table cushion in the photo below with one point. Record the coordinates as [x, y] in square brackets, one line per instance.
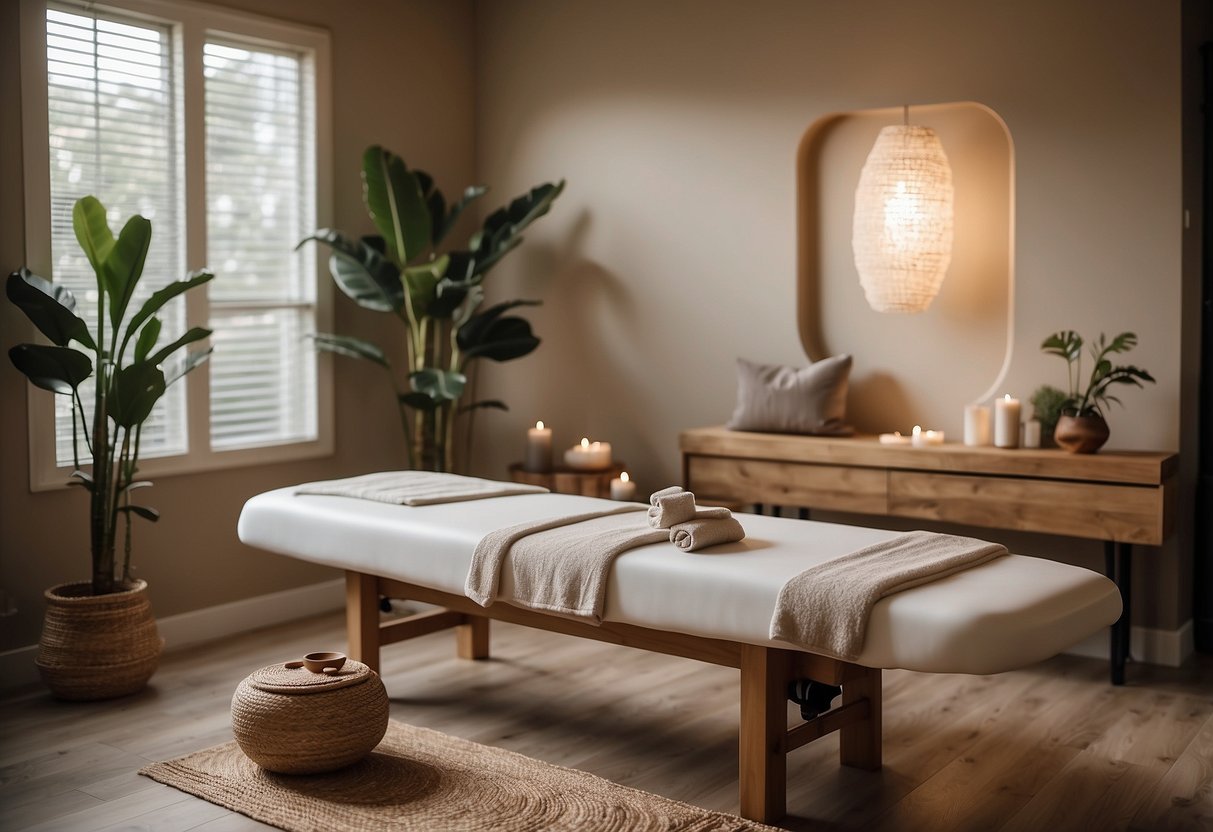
[999, 616]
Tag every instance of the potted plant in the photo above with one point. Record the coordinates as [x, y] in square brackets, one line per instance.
[1081, 427]
[436, 297]
[99, 638]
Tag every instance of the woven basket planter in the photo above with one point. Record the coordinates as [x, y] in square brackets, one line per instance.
[97, 646]
[293, 721]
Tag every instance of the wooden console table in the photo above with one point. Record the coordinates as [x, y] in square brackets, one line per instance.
[1121, 498]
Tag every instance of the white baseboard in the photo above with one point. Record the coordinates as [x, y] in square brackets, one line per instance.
[197, 626]
[1169, 648]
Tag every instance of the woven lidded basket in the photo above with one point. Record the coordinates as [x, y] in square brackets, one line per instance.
[97, 646]
[293, 721]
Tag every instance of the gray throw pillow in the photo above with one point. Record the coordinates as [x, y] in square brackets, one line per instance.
[779, 399]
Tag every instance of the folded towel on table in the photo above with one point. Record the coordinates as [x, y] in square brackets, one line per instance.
[656, 496]
[559, 565]
[702, 532]
[826, 607]
[671, 509]
[416, 488]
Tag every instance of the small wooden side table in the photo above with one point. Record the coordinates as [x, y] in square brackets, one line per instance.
[568, 480]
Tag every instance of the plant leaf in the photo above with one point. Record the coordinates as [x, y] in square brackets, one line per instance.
[134, 391]
[194, 334]
[193, 359]
[487, 404]
[350, 347]
[92, 231]
[58, 369]
[394, 199]
[507, 338]
[474, 331]
[147, 339]
[51, 308]
[421, 285]
[123, 265]
[81, 479]
[439, 385]
[1123, 342]
[146, 512]
[158, 299]
[361, 271]
[470, 195]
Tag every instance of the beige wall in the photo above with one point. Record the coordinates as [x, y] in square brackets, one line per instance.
[673, 248]
[402, 75]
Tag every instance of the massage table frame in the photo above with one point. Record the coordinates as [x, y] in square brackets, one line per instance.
[764, 737]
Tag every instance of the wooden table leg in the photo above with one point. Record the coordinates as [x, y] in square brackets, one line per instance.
[472, 638]
[362, 618]
[859, 744]
[762, 763]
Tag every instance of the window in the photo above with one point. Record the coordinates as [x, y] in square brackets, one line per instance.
[213, 124]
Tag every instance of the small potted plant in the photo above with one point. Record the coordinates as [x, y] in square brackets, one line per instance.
[1081, 427]
[99, 639]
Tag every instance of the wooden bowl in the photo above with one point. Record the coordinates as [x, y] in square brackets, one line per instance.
[318, 662]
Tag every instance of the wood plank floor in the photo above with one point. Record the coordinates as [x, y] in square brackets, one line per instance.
[1052, 747]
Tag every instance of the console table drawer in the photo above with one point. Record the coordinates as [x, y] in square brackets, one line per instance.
[1130, 514]
[833, 487]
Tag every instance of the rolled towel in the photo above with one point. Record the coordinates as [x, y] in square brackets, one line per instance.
[666, 492]
[671, 509]
[701, 533]
[713, 513]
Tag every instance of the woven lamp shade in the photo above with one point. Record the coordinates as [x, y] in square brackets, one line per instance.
[902, 231]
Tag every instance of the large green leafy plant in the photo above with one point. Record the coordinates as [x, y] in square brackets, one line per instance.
[436, 296]
[1093, 397]
[129, 367]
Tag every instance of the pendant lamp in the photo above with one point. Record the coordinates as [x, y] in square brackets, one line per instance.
[902, 230]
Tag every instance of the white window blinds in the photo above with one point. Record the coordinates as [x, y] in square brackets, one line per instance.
[113, 121]
[260, 185]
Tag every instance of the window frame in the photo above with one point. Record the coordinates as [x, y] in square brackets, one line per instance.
[191, 23]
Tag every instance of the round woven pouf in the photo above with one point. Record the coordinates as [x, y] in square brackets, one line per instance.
[293, 721]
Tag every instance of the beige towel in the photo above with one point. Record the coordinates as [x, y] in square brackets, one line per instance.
[712, 529]
[416, 488]
[670, 509]
[666, 492]
[559, 565]
[826, 607]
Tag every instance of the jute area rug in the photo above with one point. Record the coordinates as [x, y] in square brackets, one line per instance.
[418, 779]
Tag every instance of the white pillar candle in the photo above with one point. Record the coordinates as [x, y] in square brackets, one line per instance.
[588, 456]
[1031, 433]
[622, 488]
[1006, 422]
[977, 425]
[538, 449]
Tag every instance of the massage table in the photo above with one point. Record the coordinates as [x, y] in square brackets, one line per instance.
[714, 606]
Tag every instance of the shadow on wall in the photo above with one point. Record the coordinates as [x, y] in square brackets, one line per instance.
[874, 402]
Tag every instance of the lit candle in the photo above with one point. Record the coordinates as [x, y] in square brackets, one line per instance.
[538, 448]
[1031, 433]
[977, 424]
[1006, 422]
[622, 488]
[894, 438]
[589, 456]
[926, 438]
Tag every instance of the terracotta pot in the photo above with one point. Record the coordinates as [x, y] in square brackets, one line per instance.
[1081, 434]
[98, 646]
